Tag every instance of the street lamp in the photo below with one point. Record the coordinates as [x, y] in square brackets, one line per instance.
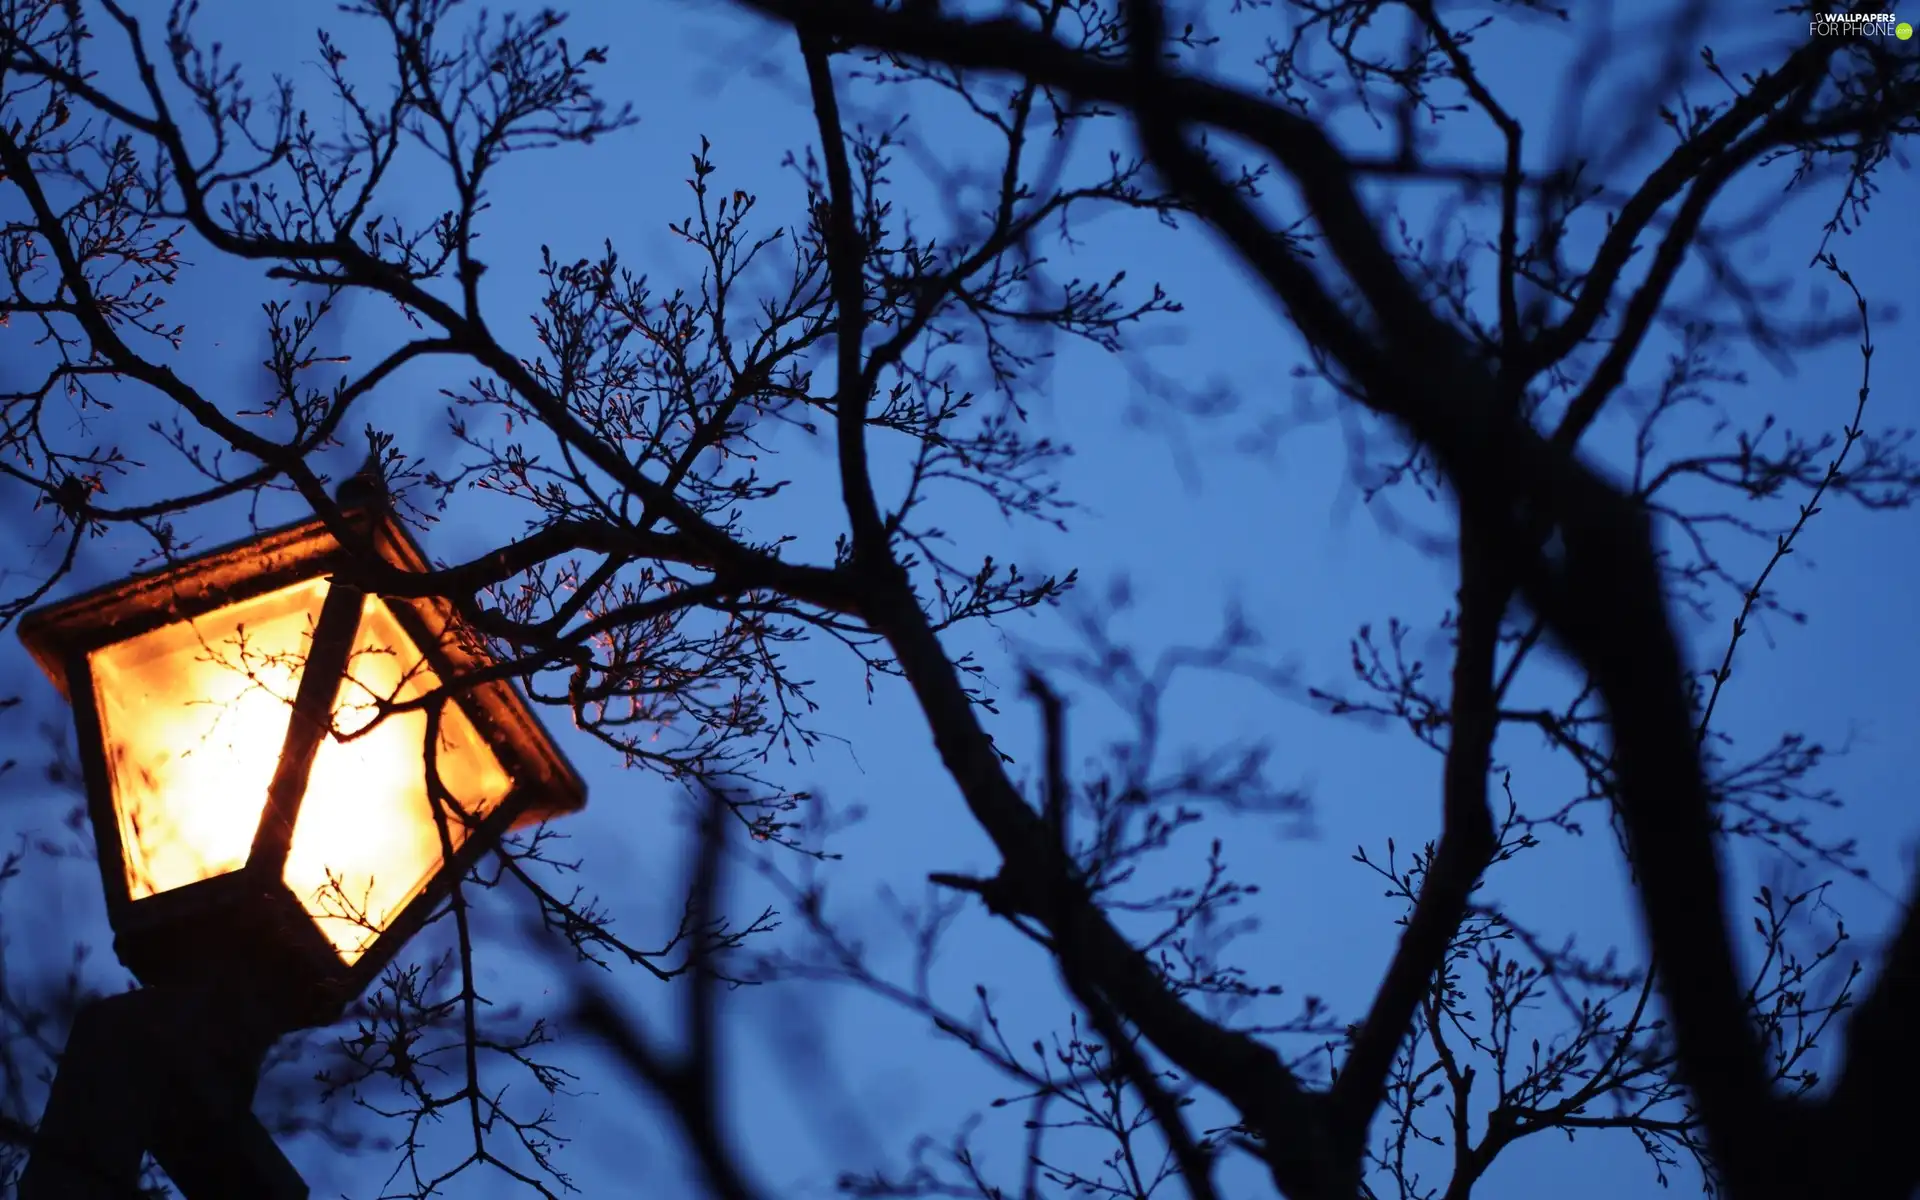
[281, 790]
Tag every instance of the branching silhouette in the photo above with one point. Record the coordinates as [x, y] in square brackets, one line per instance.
[661, 584]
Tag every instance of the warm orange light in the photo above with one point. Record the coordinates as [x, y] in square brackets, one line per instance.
[366, 840]
[195, 715]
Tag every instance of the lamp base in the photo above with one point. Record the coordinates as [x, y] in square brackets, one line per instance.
[169, 1071]
[238, 934]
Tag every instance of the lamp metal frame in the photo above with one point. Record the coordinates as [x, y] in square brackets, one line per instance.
[246, 928]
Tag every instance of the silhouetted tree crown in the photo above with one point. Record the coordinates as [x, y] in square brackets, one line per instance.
[1526, 383]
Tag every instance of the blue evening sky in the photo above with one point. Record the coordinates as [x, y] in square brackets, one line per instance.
[821, 1079]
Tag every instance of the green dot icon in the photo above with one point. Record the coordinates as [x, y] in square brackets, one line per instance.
[1903, 31]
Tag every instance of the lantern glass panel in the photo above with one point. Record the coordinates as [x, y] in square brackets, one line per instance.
[193, 717]
[366, 840]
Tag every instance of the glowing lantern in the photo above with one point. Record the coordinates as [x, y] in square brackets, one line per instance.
[270, 810]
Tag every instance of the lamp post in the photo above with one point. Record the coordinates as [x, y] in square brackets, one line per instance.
[273, 823]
